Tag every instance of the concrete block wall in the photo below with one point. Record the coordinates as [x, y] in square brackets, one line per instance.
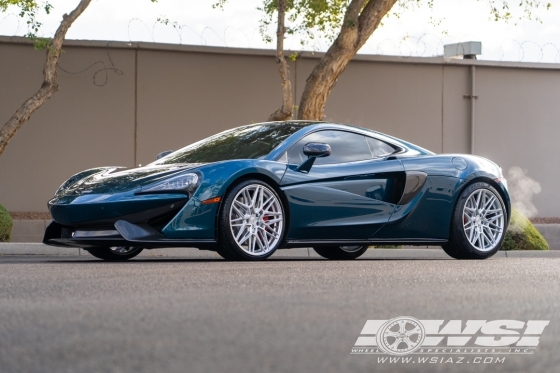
[29, 230]
[551, 233]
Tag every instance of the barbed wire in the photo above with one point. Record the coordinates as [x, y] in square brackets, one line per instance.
[104, 69]
[17, 19]
[425, 45]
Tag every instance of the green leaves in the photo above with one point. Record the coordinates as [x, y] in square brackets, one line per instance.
[28, 10]
[527, 9]
[323, 18]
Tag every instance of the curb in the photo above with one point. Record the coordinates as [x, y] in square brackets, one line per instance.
[302, 253]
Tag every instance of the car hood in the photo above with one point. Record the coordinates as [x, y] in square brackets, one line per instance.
[108, 180]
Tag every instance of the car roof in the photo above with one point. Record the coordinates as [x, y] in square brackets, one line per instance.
[313, 126]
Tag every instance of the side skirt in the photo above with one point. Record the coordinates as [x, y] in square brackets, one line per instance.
[372, 242]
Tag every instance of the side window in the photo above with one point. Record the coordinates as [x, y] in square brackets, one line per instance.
[380, 148]
[345, 147]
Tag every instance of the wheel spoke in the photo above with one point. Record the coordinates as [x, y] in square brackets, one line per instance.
[246, 197]
[482, 240]
[261, 197]
[272, 213]
[471, 235]
[259, 242]
[239, 232]
[477, 201]
[495, 217]
[271, 234]
[269, 222]
[402, 326]
[396, 343]
[494, 227]
[255, 196]
[489, 238]
[489, 202]
[245, 238]
[499, 209]
[268, 202]
[241, 204]
[237, 211]
[407, 341]
[476, 238]
[416, 330]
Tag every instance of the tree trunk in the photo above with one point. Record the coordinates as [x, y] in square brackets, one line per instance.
[362, 17]
[50, 81]
[286, 111]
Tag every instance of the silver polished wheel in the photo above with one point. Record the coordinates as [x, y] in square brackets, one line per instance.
[115, 253]
[256, 219]
[123, 250]
[483, 220]
[351, 249]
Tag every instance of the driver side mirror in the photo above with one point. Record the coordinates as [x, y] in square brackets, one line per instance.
[163, 154]
[313, 150]
[317, 149]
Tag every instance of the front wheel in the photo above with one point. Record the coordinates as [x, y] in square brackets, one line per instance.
[340, 252]
[115, 253]
[479, 223]
[251, 222]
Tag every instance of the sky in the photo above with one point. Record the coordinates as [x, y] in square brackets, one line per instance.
[411, 34]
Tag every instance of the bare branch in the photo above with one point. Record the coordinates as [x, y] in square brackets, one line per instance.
[50, 80]
[371, 17]
[286, 111]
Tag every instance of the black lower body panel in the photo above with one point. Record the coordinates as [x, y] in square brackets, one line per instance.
[371, 242]
[123, 234]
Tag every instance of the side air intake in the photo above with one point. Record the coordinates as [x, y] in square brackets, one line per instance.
[415, 180]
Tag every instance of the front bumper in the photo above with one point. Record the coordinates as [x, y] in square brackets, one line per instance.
[123, 233]
[106, 209]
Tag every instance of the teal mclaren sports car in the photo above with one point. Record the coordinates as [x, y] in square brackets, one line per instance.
[252, 190]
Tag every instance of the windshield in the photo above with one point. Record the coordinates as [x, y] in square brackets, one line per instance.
[247, 142]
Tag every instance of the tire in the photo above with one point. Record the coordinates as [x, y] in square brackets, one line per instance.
[479, 223]
[251, 223]
[115, 254]
[340, 252]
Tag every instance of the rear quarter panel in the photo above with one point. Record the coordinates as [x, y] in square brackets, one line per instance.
[429, 214]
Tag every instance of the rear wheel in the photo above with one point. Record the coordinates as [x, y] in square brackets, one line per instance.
[251, 222]
[479, 223]
[340, 252]
[115, 253]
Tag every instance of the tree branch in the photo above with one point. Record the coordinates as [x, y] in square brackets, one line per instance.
[50, 78]
[286, 111]
[360, 20]
[371, 17]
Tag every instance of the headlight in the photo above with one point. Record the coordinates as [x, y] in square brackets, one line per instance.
[178, 184]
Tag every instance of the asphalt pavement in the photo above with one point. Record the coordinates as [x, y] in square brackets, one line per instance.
[287, 314]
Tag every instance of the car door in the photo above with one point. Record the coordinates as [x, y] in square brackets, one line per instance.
[348, 195]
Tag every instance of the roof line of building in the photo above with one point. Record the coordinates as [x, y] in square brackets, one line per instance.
[439, 60]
